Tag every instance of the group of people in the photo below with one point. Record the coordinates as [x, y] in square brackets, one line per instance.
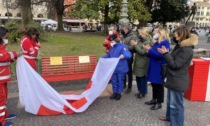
[29, 45]
[150, 55]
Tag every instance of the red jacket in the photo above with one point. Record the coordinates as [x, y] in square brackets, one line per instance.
[30, 50]
[108, 45]
[5, 59]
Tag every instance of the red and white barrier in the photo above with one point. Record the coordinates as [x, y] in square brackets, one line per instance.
[199, 85]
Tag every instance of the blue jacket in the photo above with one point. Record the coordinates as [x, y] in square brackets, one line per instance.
[115, 52]
[155, 61]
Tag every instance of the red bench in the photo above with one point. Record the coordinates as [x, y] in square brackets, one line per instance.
[65, 68]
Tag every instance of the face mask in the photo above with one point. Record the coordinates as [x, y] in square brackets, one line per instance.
[111, 32]
[5, 41]
[174, 39]
[113, 43]
[155, 36]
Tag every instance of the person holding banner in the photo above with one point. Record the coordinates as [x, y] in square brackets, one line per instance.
[118, 50]
[5, 75]
[30, 46]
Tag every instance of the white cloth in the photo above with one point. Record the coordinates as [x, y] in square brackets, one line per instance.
[34, 91]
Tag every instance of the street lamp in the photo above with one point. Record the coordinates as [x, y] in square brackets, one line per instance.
[124, 14]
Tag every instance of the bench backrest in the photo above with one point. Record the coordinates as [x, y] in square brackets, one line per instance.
[65, 68]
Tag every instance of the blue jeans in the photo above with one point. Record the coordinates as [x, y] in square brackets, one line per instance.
[142, 84]
[175, 108]
[118, 82]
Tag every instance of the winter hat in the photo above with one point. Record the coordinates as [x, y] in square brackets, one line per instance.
[112, 37]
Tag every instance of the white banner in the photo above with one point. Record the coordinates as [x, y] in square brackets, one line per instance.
[39, 98]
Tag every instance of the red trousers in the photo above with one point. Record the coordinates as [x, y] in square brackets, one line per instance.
[3, 100]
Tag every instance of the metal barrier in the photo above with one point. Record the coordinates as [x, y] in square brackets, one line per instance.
[65, 68]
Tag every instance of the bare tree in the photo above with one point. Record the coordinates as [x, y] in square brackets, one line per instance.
[26, 13]
[54, 6]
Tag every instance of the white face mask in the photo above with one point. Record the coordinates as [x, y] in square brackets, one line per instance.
[5, 41]
[155, 36]
[111, 32]
[113, 43]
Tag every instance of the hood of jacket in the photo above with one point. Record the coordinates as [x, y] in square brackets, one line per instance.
[192, 41]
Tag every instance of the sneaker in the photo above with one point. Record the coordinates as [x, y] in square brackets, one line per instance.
[113, 96]
[8, 124]
[11, 116]
[118, 97]
[137, 94]
[140, 96]
[156, 106]
[128, 91]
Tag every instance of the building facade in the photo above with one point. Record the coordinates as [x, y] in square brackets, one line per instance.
[202, 16]
[10, 8]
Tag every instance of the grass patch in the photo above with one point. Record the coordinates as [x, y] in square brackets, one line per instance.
[67, 44]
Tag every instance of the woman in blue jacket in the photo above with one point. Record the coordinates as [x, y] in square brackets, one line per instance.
[154, 71]
[118, 50]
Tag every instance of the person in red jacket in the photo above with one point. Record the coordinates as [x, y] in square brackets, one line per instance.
[5, 75]
[30, 46]
[106, 42]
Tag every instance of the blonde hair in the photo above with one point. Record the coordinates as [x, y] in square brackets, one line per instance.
[163, 35]
[144, 31]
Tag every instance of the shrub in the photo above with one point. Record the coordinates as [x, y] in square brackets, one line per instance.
[17, 30]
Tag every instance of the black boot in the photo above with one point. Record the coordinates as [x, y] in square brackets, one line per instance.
[151, 102]
[118, 97]
[156, 106]
[113, 96]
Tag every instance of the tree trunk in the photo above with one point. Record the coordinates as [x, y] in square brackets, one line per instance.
[60, 22]
[148, 4]
[106, 18]
[51, 11]
[26, 11]
[59, 4]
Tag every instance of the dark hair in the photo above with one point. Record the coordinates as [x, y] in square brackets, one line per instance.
[32, 31]
[112, 25]
[183, 32]
[3, 32]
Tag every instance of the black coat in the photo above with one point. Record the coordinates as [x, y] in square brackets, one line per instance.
[177, 65]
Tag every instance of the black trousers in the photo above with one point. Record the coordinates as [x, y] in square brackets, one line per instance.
[129, 74]
[158, 92]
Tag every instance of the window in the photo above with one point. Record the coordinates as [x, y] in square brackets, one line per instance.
[202, 7]
[5, 2]
[198, 13]
[198, 7]
[202, 13]
[207, 14]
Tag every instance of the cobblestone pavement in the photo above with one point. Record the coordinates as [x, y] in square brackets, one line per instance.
[129, 111]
